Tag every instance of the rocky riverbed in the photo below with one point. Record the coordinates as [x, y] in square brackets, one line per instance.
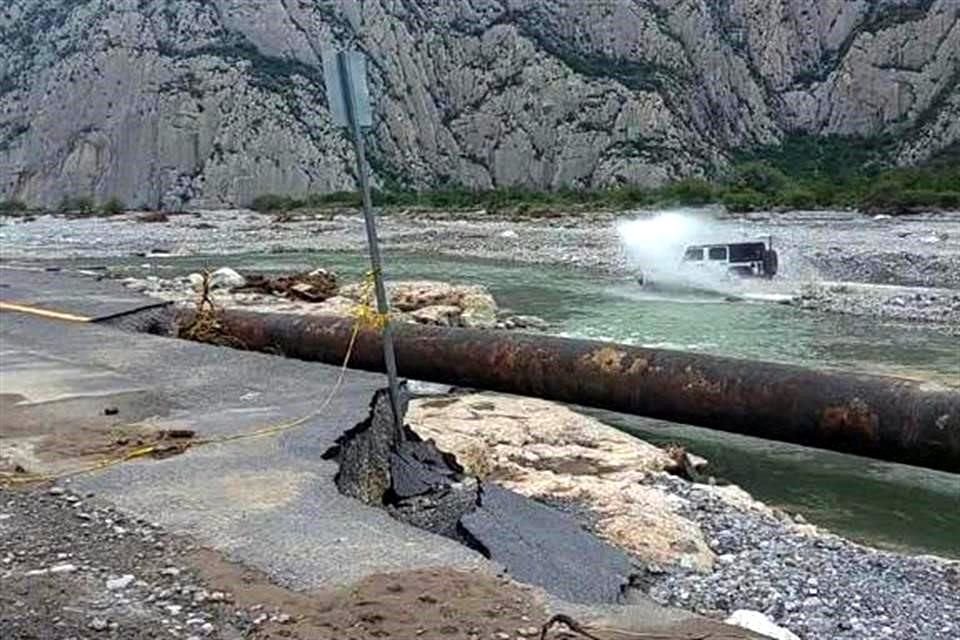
[847, 247]
[818, 586]
[700, 546]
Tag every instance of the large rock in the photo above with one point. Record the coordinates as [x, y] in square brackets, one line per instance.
[479, 311]
[436, 302]
[191, 103]
[546, 451]
[226, 278]
[439, 315]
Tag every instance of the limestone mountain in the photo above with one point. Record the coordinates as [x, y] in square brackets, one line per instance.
[164, 103]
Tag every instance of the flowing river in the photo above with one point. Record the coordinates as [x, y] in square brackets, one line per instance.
[881, 503]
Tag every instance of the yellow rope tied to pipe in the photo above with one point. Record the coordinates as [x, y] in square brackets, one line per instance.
[366, 312]
[208, 326]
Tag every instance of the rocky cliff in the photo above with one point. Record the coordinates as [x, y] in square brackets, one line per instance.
[209, 103]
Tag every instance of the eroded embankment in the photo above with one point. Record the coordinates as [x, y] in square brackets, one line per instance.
[418, 484]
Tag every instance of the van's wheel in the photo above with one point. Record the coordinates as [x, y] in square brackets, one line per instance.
[771, 263]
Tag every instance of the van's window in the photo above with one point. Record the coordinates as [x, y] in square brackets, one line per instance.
[694, 253]
[747, 252]
[718, 253]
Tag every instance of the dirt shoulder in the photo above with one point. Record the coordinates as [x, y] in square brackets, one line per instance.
[71, 566]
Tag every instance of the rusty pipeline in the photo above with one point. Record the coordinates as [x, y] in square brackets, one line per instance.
[882, 417]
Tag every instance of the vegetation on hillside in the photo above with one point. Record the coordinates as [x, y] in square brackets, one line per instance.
[802, 173]
[78, 206]
[12, 207]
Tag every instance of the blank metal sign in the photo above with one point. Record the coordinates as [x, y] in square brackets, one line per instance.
[356, 68]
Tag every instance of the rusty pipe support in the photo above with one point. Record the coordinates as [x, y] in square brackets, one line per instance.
[882, 417]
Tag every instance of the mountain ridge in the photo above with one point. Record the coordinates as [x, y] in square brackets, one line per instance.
[173, 103]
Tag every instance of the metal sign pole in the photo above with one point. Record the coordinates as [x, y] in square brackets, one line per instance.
[383, 302]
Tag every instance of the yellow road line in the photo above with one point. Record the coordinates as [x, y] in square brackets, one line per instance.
[43, 313]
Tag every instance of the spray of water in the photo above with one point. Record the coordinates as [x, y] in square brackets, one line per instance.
[655, 247]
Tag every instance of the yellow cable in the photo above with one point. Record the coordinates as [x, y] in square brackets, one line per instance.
[362, 318]
[43, 313]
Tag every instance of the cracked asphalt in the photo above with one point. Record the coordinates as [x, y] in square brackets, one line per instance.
[268, 502]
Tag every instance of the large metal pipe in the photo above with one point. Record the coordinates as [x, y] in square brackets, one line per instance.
[888, 418]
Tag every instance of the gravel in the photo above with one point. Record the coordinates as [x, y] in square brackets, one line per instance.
[936, 307]
[105, 576]
[909, 251]
[817, 586]
[920, 250]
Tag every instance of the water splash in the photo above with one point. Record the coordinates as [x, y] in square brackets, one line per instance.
[655, 247]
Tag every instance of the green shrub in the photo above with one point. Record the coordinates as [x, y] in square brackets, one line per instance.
[744, 201]
[690, 191]
[949, 199]
[631, 197]
[799, 198]
[273, 202]
[760, 177]
[346, 198]
[113, 207]
[10, 207]
[82, 205]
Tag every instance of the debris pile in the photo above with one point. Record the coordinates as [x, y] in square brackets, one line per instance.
[318, 292]
[315, 286]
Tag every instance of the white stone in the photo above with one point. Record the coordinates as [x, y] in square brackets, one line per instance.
[122, 582]
[479, 311]
[438, 315]
[63, 568]
[759, 623]
[226, 278]
[196, 281]
[98, 624]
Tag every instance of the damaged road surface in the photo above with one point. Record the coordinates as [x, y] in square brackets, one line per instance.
[268, 506]
[420, 485]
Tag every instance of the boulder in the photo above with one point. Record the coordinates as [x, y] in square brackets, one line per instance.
[226, 278]
[196, 281]
[546, 451]
[417, 294]
[439, 315]
[479, 310]
[524, 323]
